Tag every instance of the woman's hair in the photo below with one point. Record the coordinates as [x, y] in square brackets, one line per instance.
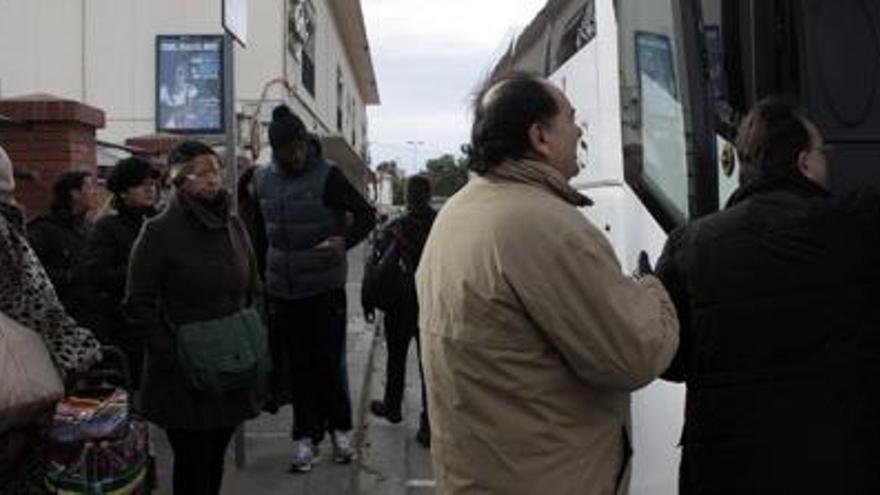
[127, 173]
[62, 197]
[504, 110]
[182, 155]
[770, 138]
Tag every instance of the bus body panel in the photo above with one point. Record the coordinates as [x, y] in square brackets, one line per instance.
[590, 79]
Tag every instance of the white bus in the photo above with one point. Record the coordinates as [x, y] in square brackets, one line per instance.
[660, 86]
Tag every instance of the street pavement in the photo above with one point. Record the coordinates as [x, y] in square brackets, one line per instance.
[389, 460]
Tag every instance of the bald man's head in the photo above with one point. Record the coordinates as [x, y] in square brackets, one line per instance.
[504, 111]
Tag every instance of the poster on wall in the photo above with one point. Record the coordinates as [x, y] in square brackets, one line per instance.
[189, 84]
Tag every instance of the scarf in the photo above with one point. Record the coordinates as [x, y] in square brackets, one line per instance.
[538, 174]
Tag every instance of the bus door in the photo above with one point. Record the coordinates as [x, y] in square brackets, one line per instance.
[825, 55]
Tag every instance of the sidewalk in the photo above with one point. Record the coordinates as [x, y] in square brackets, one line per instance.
[389, 462]
[392, 462]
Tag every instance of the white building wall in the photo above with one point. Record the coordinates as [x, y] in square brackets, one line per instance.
[32, 61]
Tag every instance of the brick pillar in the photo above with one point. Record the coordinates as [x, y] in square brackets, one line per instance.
[53, 136]
[157, 145]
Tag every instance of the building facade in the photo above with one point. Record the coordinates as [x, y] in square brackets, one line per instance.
[312, 54]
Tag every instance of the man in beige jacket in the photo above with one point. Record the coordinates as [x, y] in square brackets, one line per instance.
[532, 337]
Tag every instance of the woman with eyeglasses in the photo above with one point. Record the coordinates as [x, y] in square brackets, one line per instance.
[192, 263]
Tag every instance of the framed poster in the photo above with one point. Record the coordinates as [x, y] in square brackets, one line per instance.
[189, 84]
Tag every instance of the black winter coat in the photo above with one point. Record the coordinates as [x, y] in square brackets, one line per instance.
[191, 263]
[780, 342]
[61, 243]
[110, 243]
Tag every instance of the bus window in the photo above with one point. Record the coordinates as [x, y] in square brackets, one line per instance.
[578, 31]
[655, 107]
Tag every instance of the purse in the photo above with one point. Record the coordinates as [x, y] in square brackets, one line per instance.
[230, 353]
[225, 354]
[29, 382]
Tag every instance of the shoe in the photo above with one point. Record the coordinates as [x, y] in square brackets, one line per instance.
[343, 452]
[423, 437]
[377, 407]
[303, 456]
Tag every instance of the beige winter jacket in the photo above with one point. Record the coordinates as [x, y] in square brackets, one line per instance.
[532, 340]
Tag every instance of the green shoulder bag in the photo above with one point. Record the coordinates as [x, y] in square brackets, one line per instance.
[225, 354]
[231, 353]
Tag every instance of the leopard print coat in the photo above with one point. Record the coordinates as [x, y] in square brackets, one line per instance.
[27, 296]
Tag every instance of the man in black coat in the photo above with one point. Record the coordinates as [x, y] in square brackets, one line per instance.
[408, 235]
[780, 326]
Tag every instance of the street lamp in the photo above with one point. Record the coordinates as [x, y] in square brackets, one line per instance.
[415, 145]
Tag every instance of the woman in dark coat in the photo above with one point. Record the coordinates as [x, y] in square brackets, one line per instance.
[192, 263]
[60, 239]
[133, 185]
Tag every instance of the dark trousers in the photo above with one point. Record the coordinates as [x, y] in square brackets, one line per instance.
[198, 459]
[312, 332]
[401, 327]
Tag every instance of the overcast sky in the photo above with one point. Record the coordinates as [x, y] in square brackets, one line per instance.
[429, 56]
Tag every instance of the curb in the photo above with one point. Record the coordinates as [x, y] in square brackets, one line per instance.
[361, 413]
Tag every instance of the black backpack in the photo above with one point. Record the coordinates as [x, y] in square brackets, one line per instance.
[389, 273]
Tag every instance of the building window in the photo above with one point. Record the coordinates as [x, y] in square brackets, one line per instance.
[300, 25]
[301, 39]
[308, 67]
[340, 95]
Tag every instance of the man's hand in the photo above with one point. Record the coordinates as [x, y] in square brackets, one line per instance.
[644, 266]
[370, 316]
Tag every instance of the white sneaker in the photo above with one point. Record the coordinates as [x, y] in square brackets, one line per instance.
[302, 456]
[343, 452]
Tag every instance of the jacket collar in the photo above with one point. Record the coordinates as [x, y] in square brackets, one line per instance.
[211, 216]
[798, 184]
[541, 175]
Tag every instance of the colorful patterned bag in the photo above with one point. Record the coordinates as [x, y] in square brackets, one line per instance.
[96, 445]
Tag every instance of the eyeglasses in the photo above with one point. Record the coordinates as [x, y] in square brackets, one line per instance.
[205, 174]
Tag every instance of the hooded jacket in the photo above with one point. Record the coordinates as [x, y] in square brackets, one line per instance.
[532, 340]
